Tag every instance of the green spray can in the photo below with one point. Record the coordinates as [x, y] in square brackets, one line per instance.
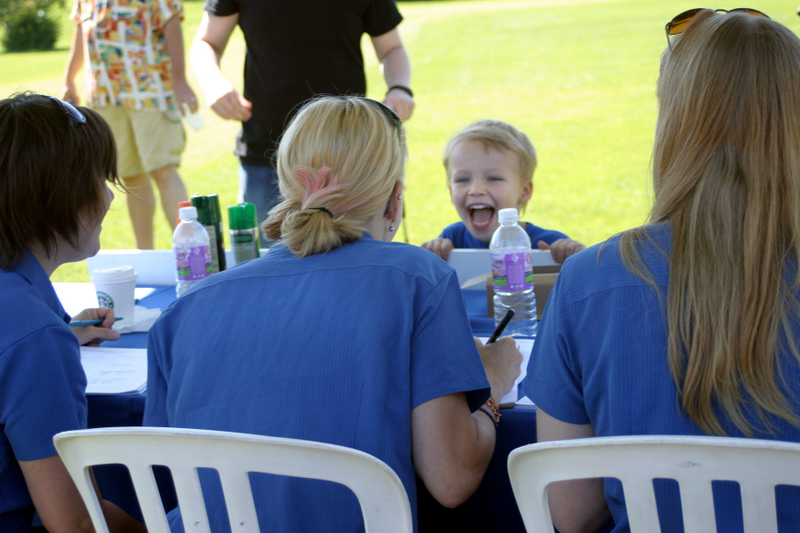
[244, 232]
[210, 216]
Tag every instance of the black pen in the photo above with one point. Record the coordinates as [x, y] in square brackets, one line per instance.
[501, 326]
[94, 322]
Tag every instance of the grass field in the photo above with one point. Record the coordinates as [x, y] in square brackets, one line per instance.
[578, 76]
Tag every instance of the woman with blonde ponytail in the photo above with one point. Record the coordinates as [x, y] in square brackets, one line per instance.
[336, 335]
[690, 324]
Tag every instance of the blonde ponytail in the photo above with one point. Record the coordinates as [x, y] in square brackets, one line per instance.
[338, 164]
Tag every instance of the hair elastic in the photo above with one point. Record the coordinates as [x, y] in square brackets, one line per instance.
[323, 209]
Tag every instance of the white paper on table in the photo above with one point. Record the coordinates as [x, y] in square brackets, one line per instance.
[524, 346]
[114, 370]
[75, 297]
[143, 320]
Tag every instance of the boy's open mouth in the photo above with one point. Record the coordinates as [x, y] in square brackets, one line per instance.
[481, 215]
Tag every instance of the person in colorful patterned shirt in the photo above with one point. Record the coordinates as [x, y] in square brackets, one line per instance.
[135, 79]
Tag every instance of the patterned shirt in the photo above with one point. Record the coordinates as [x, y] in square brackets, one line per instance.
[128, 63]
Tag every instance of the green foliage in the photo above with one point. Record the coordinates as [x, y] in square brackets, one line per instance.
[578, 76]
[29, 24]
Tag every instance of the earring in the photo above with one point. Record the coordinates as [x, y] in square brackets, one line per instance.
[400, 197]
[391, 229]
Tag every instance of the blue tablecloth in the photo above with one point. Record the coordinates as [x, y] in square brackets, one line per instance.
[492, 508]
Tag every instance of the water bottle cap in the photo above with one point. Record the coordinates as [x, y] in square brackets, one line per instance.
[509, 214]
[188, 213]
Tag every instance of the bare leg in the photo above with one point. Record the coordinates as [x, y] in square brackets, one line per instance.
[172, 191]
[141, 207]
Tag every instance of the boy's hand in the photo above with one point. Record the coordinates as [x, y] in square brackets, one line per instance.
[561, 249]
[439, 246]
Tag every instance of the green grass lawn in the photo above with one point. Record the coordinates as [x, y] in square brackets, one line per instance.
[578, 76]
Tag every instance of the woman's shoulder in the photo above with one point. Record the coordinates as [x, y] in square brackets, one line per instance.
[604, 267]
[649, 241]
[27, 305]
[367, 255]
[403, 256]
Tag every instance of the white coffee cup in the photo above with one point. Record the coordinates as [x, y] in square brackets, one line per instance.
[114, 286]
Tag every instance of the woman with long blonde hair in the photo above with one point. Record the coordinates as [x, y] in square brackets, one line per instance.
[689, 325]
[336, 335]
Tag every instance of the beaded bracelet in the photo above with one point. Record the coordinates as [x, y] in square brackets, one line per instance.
[495, 410]
[402, 88]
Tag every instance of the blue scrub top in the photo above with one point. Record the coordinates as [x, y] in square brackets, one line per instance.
[600, 358]
[42, 384]
[462, 238]
[336, 347]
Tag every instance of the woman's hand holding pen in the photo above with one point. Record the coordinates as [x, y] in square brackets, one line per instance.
[501, 362]
[93, 335]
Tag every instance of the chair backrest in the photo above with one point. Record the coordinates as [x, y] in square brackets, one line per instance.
[384, 502]
[757, 465]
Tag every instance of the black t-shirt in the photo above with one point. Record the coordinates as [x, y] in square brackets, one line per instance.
[297, 49]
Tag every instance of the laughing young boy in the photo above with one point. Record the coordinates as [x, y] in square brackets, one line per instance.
[490, 167]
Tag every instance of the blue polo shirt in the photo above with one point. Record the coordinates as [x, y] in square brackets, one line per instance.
[462, 238]
[336, 347]
[600, 358]
[42, 384]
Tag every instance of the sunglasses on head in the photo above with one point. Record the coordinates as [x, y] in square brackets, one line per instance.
[387, 111]
[73, 115]
[679, 23]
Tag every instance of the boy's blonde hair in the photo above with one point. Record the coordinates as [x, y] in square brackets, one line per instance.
[496, 135]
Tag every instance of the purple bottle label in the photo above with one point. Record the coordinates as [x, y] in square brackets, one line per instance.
[193, 263]
[512, 272]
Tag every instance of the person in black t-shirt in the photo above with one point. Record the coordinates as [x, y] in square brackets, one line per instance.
[295, 50]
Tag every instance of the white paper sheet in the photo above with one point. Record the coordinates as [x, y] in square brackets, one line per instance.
[511, 397]
[75, 297]
[114, 370]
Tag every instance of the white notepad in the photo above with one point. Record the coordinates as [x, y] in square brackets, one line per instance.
[114, 370]
[511, 397]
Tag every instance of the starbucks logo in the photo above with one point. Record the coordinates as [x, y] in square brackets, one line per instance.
[104, 300]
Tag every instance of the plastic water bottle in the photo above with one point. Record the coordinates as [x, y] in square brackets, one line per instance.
[512, 270]
[192, 251]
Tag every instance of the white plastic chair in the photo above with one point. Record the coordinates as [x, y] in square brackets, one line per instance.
[384, 502]
[757, 465]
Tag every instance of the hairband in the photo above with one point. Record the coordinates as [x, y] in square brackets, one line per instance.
[323, 209]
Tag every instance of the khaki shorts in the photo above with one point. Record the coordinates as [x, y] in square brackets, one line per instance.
[146, 140]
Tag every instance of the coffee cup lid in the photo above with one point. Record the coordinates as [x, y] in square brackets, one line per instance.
[113, 273]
